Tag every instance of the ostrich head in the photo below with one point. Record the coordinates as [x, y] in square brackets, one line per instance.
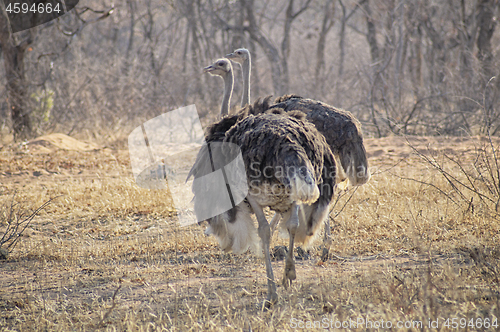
[221, 67]
[224, 69]
[240, 55]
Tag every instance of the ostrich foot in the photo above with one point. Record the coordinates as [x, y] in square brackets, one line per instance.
[270, 301]
[289, 273]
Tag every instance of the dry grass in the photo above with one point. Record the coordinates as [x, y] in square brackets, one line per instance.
[109, 256]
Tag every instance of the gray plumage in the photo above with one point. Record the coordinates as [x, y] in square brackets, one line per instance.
[340, 128]
[289, 168]
[273, 141]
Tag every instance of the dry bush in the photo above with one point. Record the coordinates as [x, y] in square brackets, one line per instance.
[14, 219]
[474, 182]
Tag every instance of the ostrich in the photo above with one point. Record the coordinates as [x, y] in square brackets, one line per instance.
[242, 56]
[289, 168]
[340, 128]
[342, 132]
[223, 68]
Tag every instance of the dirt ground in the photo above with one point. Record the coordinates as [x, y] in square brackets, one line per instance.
[411, 249]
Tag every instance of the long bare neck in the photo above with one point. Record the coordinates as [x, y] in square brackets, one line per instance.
[246, 82]
[228, 91]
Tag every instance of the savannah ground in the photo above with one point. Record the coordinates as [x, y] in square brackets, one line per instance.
[106, 255]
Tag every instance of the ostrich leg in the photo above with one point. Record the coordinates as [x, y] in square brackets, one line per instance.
[274, 222]
[291, 224]
[327, 240]
[265, 236]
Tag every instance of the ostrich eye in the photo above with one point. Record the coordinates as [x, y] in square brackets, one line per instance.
[220, 64]
[238, 52]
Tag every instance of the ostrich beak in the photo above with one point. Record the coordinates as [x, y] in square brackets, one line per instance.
[230, 56]
[208, 69]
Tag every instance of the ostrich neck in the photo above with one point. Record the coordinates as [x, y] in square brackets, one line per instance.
[246, 83]
[228, 90]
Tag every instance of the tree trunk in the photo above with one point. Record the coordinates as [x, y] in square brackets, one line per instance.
[237, 40]
[326, 25]
[132, 9]
[285, 44]
[415, 61]
[342, 40]
[290, 16]
[371, 37]
[437, 57]
[269, 49]
[486, 19]
[16, 83]
[401, 44]
[371, 34]
[339, 89]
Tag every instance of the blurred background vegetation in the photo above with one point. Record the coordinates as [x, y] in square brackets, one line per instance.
[424, 67]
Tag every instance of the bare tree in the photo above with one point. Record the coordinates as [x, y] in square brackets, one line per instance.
[487, 23]
[290, 16]
[132, 7]
[326, 26]
[414, 67]
[267, 46]
[13, 54]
